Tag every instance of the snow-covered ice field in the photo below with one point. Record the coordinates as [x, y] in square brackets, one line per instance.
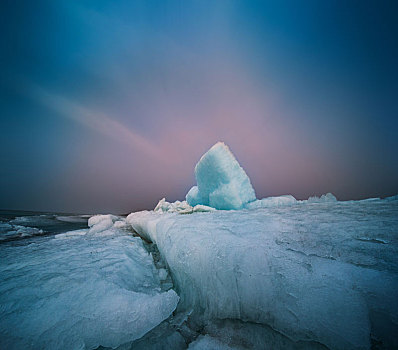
[326, 272]
[79, 289]
[275, 273]
[310, 273]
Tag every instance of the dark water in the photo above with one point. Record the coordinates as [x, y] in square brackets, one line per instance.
[19, 225]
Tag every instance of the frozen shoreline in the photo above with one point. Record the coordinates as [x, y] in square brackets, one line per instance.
[289, 275]
[221, 270]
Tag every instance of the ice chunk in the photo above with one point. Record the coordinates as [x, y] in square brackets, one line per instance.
[202, 208]
[179, 207]
[280, 201]
[305, 271]
[328, 197]
[221, 181]
[121, 224]
[91, 290]
[99, 223]
[10, 231]
[193, 197]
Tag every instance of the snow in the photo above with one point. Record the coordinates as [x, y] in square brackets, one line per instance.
[221, 181]
[80, 289]
[321, 272]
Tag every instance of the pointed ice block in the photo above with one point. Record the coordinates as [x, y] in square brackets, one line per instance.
[222, 183]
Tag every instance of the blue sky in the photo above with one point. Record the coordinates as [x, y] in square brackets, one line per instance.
[107, 105]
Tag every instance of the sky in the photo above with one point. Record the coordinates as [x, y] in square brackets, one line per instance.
[106, 106]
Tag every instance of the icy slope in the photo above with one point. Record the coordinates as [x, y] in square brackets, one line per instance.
[80, 289]
[325, 272]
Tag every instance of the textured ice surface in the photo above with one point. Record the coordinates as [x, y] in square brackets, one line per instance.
[11, 231]
[221, 181]
[177, 207]
[80, 289]
[328, 197]
[100, 223]
[193, 197]
[205, 342]
[249, 335]
[323, 272]
[279, 201]
[180, 207]
[286, 200]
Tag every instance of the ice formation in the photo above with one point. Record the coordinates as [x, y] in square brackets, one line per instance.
[328, 197]
[180, 207]
[315, 275]
[221, 181]
[205, 342]
[10, 231]
[279, 201]
[280, 273]
[80, 289]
